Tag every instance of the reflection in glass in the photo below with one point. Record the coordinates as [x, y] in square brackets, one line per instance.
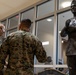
[12, 30]
[49, 8]
[13, 21]
[28, 15]
[64, 71]
[50, 71]
[62, 42]
[64, 3]
[45, 32]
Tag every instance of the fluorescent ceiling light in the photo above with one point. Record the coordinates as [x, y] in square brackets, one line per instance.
[49, 19]
[66, 4]
[62, 41]
[45, 43]
[59, 31]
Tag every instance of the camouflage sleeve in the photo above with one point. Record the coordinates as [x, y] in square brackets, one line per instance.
[40, 52]
[3, 53]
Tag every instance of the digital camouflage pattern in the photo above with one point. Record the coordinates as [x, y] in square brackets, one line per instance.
[21, 46]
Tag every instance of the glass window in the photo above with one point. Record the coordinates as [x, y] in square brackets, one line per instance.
[4, 23]
[64, 3]
[13, 21]
[45, 32]
[31, 28]
[28, 14]
[12, 30]
[45, 8]
[62, 42]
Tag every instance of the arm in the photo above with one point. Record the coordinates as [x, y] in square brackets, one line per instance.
[40, 52]
[3, 54]
[64, 31]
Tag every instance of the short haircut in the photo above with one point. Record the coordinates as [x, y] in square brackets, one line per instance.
[26, 22]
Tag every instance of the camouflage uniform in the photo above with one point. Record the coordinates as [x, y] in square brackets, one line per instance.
[21, 46]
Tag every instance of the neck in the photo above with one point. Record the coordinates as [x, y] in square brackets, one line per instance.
[25, 29]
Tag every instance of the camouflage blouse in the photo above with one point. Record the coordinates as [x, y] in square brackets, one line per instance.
[21, 46]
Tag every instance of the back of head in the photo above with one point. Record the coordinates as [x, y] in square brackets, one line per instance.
[25, 24]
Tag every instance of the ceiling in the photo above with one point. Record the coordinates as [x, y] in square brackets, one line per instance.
[8, 7]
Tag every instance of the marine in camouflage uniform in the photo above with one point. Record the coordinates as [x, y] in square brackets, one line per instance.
[21, 46]
[70, 30]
